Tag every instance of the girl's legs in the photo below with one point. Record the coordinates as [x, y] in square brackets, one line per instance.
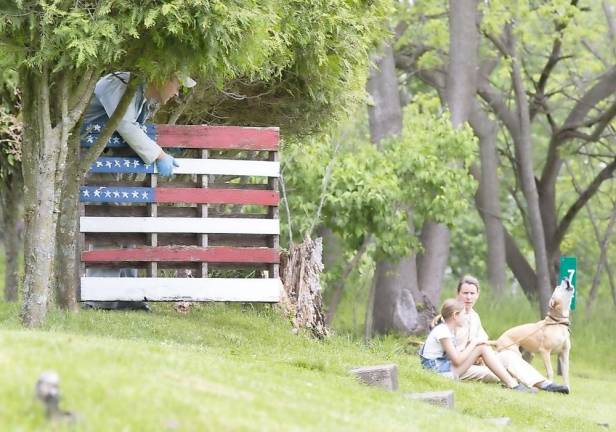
[494, 364]
[491, 362]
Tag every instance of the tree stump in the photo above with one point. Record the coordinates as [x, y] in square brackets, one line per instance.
[301, 301]
[384, 376]
[442, 399]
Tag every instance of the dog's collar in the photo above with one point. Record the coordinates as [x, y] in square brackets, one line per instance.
[557, 321]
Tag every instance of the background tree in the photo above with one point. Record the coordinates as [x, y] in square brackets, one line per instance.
[530, 81]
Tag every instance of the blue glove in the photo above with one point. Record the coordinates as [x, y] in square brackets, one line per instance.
[165, 165]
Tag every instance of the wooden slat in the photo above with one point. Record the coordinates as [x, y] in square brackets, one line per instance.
[179, 225]
[136, 239]
[184, 253]
[227, 167]
[217, 196]
[175, 289]
[217, 137]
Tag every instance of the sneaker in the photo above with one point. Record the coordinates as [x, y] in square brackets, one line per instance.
[556, 388]
[524, 389]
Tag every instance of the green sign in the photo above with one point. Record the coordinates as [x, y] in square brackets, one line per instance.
[568, 269]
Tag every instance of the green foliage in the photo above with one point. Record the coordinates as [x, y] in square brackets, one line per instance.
[320, 50]
[362, 200]
[432, 162]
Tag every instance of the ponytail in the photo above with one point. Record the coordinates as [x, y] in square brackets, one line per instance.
[436, 321]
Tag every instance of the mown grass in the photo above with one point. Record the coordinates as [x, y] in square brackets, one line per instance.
[239, 367]
[228, 367]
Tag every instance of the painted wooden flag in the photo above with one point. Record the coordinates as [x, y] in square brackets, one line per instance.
[124, 218]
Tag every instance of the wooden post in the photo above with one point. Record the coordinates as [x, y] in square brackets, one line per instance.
[384, 376]
[274, 269]
[153, 237]
[203, 210]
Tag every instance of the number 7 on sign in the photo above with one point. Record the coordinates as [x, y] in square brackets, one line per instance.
[568, 269]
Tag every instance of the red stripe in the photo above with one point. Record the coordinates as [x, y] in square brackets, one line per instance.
[218, 254]
[217, 196]
[217, 137]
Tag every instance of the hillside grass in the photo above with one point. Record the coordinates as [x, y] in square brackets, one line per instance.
[239, 367]
[233, 367]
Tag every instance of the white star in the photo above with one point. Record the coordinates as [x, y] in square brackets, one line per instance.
[136, 163]
[124, 194]
[127, 163]
[90, 139]
[135, 194]
[146, 166]
[108, 164]
[99, 164]
[115, 140]
[97, 127]
[107, 194]
[116, 163]
[116, 194]
[144, 195]
[85, 193]
[97, 193]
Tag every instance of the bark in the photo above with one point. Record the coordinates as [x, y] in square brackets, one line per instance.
[487, 199]
[432, 262]
[391, 305]
[39, 157]
[301, 300]
[524, 155]
[461, 85]
[67, 247]
[601, 263]
[11, 199]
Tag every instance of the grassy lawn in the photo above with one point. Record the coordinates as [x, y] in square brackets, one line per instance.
[228, 367]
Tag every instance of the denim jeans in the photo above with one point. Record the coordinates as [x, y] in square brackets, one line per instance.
[439, 365]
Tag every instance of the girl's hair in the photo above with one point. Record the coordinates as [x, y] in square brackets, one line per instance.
[449, 308]
[468, 279]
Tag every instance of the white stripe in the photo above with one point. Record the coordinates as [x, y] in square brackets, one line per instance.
[169, 289]
[179, 225]
[228, 167]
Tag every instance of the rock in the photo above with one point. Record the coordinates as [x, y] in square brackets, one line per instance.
[500, 421]
[442, 399]
[384, 376]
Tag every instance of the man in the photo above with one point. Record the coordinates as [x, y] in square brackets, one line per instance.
[147, 99]
[468, 294]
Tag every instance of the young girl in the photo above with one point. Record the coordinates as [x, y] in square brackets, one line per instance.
[439, 353]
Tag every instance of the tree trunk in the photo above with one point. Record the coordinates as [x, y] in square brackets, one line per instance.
[524, 155]
[393, 306]
[431, 264]
[67, 233]
[68, 181]
[461, 86]
[40, 149]
[487, 199]
[11, 200]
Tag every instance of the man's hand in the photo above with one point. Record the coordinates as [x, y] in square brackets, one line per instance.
[165, 164]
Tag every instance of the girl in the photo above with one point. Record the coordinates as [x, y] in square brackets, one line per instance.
[439, 353]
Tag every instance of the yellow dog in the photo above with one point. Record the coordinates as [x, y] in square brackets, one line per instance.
[550, 335]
